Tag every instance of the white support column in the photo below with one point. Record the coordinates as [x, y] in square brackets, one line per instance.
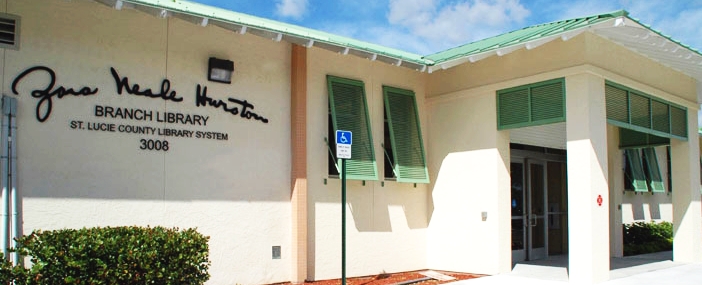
[616, 185]
[685, 163]
[588, 217]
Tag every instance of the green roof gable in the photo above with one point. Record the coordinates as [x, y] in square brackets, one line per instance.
[528, 34]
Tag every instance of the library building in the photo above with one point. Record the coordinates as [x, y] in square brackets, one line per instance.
[535, 143]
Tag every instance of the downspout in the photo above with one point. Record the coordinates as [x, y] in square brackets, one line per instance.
[4, 169]
[14, 224]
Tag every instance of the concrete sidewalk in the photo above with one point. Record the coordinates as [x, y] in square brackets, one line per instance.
[648, 269]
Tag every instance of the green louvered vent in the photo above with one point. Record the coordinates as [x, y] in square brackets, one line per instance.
[405, 136]
[617, 104]
[627, 108]
[347, 100]
[653, 171]
[547, 102]
[640, 110]
[635, 171]
[531, 105]
[514, 107]
[660, 117]
[633, 139]
[678, 121]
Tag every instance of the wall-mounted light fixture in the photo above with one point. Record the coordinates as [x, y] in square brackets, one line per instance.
[220, 70]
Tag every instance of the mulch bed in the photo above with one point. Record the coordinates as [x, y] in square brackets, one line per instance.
[391, 278]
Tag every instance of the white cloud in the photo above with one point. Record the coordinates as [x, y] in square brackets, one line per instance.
[587, 8]
[455, 23]
[295, 9]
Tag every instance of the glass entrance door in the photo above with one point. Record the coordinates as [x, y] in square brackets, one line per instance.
[536, 213]
[529, 218]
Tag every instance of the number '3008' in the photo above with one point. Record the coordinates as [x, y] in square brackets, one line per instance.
[154, 144]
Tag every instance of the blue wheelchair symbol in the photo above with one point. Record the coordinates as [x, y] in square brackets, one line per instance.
[343, 137]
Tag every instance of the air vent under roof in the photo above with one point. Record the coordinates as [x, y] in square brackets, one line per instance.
[9, 31]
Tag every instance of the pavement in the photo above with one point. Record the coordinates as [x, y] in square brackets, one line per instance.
[646, 269]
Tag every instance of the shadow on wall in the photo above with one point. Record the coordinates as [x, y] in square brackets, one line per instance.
[646, 206]
[375, 212]
[376, 208]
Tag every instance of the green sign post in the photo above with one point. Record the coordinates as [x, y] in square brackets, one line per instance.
[343, 152]
[343, 221]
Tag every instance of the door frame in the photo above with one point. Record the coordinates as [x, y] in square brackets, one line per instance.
[527, 157]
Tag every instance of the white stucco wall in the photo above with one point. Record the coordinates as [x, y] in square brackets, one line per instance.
[236, 191]
[469, 162]
[386, 224]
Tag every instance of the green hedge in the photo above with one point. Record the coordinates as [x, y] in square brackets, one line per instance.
[640, 237]
[120, 255]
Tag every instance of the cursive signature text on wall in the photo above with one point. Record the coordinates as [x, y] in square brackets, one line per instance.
[45, 104]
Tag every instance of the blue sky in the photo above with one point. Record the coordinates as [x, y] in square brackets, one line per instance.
[429, 26]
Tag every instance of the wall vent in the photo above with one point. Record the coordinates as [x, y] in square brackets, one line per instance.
[9, 31]
[276, 252]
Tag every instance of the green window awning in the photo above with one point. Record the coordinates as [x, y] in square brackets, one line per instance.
[349, 110]
[401, 112]
[635, 170]
[653, 171]
[531, 105]
[634, 110]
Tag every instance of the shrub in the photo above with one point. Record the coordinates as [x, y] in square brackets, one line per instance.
[640, 237]
[5, 270]
[121, 255]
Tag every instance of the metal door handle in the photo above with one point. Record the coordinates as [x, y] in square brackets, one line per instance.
[533, 222]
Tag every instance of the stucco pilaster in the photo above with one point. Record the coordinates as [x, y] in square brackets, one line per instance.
[588, 194]
[685, 163]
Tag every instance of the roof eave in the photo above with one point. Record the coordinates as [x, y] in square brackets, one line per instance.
[241, 23]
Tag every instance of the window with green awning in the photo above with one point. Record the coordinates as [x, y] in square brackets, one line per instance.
[403, 146]
[348, 111]
[642, 170]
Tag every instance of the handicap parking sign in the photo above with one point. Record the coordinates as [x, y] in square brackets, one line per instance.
[343, 144]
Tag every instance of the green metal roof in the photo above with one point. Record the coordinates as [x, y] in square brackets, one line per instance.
[616, 26]
[524, 35]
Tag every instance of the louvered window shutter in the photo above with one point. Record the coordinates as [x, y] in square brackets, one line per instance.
[347, 100]
[405, 135]
[531, 105]
[655, 180]
[635, 170]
